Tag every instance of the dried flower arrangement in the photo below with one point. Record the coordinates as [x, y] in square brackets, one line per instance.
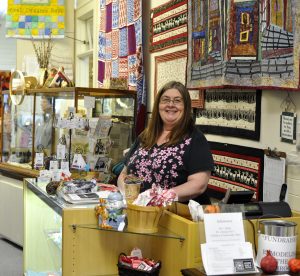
[42, 49]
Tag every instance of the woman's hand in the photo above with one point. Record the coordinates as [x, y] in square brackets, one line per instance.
[196, 184]
[121, 180]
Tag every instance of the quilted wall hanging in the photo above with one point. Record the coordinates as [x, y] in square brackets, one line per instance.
[120, 55]
[171, 67]
[35, 18]
[231, 113]
[168, 25]
[245, 43]
[238, 168]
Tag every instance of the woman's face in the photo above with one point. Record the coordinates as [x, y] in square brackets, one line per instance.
[171, 107]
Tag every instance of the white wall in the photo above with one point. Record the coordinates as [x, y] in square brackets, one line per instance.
[270, 108]
[7, 48]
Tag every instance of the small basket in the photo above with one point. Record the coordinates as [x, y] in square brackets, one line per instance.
[143, 219]
[129, 271]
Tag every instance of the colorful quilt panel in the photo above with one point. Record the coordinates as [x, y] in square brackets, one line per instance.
[168, 25]
[243, 43]
[237, 168]
[35, 19]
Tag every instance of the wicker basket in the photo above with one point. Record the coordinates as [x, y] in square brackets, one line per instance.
[143, 219]
[129, 271]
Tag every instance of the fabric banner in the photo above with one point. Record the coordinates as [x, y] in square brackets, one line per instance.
[35, 18]
[168, 25]
[253, 43]
[170, 67]
[238, 168]
[120, 56]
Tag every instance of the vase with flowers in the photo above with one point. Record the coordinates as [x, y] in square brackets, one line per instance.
[42, 49]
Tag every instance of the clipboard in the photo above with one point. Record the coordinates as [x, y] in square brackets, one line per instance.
[274, 187]
[274, 153]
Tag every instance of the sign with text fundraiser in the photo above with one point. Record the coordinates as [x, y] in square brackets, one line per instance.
[282, 248]
[35, 18]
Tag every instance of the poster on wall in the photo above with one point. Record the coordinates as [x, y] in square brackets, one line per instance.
[243, 43]
[231, 112]
[35, 18]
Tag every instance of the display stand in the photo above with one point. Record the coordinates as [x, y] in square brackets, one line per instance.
[88, 250]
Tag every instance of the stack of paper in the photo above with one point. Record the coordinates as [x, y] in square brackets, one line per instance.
[225, 250]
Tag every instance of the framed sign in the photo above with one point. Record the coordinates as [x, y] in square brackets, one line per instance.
[288, 123]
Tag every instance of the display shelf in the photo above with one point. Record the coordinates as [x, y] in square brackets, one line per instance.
[55, 237]
[162, 232]
[57, 204]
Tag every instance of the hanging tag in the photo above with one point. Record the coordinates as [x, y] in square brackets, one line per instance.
[71, 124]
[82, 163]
[75, 163]
[39, 160]
[89, 102]
[78, 162]
[53, 165]
[64, 166]
[61, 151]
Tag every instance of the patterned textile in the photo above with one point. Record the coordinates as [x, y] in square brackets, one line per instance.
[243, 43]
[168, 25]
[169, 67]
[120, 56]
[35, 18]
[238, 168]
[231, 112]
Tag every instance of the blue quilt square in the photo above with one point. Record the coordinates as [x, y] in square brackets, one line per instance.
[123, 51]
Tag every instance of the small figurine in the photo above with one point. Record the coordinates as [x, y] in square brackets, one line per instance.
[115, 206]
[102, 214]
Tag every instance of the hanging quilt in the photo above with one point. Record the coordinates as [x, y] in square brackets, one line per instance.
[237, 168]
[120, 54]
[231, 112]
[168, 25]
[245, 43]
[35, 18]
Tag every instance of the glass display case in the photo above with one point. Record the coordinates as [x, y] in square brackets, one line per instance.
[97, 124]
[64, 239]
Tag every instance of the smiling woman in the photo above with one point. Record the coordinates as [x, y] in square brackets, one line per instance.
[171, 152]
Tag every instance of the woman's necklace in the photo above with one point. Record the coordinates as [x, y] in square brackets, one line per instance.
[163, 138]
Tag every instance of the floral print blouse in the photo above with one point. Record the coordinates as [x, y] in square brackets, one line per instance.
[170, 166]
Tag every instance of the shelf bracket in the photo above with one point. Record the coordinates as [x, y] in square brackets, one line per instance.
[74, 226]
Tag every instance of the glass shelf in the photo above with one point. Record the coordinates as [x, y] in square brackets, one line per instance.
[162, 232]
[58, 205]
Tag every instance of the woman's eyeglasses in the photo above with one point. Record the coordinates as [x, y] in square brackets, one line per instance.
[167, 100]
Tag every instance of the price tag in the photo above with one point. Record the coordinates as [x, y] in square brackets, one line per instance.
[64, 165]
[39, 160]
[56, 175]
[53, 165]
[89, 102]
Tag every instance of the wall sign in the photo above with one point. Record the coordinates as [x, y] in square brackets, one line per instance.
[288, 123]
